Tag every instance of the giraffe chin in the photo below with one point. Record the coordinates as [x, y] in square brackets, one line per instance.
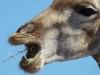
[32, 65]
[33, 61]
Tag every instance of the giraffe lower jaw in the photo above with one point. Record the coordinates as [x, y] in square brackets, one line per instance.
[32, 62]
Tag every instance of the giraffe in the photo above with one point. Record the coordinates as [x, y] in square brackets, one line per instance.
[67, 30]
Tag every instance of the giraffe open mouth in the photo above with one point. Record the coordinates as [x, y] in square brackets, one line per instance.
[33, 60]
[32, 50]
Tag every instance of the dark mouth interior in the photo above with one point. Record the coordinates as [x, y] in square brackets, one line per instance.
[32, 50]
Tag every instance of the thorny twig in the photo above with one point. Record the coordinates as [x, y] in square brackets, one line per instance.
[12, 56]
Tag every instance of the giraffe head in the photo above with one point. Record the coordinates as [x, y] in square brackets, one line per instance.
[68, 29]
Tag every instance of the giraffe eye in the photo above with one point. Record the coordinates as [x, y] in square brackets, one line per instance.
[86, 10]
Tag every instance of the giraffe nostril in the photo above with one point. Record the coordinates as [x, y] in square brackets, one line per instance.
[27, 28]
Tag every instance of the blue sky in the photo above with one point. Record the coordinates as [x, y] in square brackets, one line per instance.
[13, 14]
